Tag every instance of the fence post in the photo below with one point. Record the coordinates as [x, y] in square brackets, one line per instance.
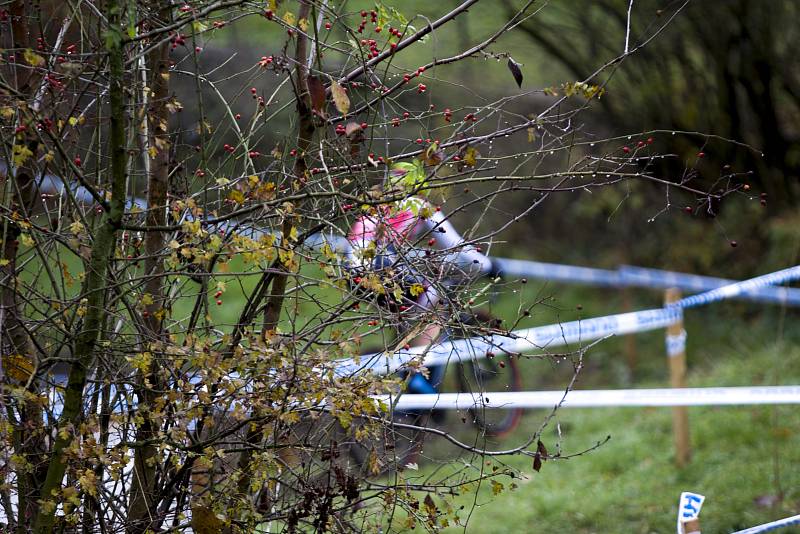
[691, 527]
[676, 354]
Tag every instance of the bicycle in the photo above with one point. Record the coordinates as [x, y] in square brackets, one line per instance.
[403, 438]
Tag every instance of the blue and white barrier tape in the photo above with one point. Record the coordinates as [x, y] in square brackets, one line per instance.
[676, 344]
[601, 398]
[739, 288]
[557, 272]
[629, 276]
[544, 337]
[526, 340]
[656, 278]
[774, 525]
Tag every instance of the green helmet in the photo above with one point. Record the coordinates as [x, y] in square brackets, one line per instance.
[407, 175]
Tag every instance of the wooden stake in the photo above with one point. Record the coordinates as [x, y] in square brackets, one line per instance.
[691, 527]
[676, 354]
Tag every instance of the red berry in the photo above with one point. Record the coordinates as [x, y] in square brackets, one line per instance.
[327, 25]
[219, 302]
[77, 161]
[364, 125]
[734, 244]
[269, 14]
[419, 140]
[701, 155]
[626, 149]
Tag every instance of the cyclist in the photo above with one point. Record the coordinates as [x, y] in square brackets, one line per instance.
[386, 242]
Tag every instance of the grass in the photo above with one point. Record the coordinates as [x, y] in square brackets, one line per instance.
[743, 460]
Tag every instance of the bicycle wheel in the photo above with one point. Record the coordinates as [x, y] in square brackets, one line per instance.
[500, 373]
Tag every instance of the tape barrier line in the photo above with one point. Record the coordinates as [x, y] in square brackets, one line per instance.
[766, 527]
[630, 276]
[732, 290]
[557, 272]
[603, 398]
[538, 338]
[544, 337]
[659, 279]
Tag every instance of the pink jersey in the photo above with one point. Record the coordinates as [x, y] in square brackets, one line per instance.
[400, 225]
[391, 225]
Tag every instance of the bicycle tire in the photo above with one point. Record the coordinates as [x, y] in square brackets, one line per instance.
[500, 373]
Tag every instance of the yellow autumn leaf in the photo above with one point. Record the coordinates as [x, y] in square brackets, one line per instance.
[340, 98]
[18, 367]
[147, 299]
[471, 157]
[32, 58]
[26, 240]
[303, 25]
[76, 227]
[289, 18]
[81, 311]
[237, 196]
[73, 121]
[4, 262]
[21, 153]
[416, 290]
[7, 112]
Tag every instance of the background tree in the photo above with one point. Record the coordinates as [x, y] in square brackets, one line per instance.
[723, 68]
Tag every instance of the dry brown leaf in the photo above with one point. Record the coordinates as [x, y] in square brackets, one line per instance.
[340, 98]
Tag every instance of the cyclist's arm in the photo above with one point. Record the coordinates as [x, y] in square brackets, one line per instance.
[465, 256]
